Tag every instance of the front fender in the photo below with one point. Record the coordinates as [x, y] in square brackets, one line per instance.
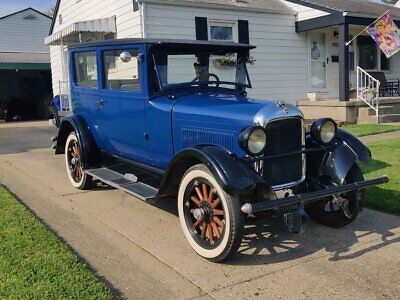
[344, 156]
[234, 176]
[355, 144]
[88, 148]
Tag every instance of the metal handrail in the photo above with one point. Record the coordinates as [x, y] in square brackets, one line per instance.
[368, 89]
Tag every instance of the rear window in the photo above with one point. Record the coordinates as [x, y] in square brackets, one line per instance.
[86, 69]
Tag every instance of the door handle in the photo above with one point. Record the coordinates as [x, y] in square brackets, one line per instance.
[101, 103]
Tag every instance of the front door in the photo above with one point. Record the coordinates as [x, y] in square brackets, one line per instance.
[122, 102]
[318, 62]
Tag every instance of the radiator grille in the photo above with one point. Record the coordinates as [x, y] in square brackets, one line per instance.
[284, 136]
[195, 136]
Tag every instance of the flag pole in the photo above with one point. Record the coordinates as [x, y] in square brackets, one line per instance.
[361, 32]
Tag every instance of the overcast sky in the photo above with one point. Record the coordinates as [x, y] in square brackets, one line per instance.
[10, 6]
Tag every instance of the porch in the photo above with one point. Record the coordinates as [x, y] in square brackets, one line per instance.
[353, 111]
[352, 83]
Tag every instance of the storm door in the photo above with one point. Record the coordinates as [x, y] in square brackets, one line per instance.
[318, 62]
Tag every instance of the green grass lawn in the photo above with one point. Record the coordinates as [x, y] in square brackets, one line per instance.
[35, 264]
[386, 161]
[363, 130]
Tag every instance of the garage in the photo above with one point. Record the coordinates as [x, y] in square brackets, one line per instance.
[25, 85]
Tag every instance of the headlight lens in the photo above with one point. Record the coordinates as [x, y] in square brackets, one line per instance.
[324, 130]
[253, 140]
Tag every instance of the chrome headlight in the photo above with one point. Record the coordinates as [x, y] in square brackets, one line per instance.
[253, 140]
[324, 130]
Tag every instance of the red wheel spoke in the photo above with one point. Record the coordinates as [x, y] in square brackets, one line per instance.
[211, 195]
[218, 221]
[204, 230]
[199, 193]
[218, 212]
[216, 230]
[198, 223]
[210, 233]
[205, 193]
[216, 203]
[196, 201]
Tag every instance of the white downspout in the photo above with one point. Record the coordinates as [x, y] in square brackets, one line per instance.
[142, 19]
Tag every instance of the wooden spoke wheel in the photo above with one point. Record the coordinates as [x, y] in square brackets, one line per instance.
[210, 218]
[74, 163]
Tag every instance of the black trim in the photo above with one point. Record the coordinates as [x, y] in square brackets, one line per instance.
[201, 28]
[314, 5]
[244, 35]
[320, 22]
[26, 9]
[356, 145]
[344, 63]
[364, 21]
[233, 174]
[54, 17]
[90, 151]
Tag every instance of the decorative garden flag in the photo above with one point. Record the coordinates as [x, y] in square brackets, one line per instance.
[386, 34]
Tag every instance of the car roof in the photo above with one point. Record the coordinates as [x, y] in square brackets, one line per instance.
[169, 43]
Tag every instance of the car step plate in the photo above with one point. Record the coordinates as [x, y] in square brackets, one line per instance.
[119, 181]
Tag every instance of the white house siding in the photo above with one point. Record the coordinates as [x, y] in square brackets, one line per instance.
[304, 12]
[128, 24]
[281, 69]
[20, 35]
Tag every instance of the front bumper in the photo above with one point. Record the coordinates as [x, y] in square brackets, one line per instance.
[304, 199]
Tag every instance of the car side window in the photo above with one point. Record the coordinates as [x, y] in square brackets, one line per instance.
[86, 69]
[121, 70]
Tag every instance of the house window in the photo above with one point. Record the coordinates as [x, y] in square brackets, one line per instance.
[385, 62]
[86, 69]
[222, 31]
[121, 68]
[370, 56]
[367, 53]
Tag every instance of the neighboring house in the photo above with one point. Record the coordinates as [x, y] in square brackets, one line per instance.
[301, 44]
[25, 74]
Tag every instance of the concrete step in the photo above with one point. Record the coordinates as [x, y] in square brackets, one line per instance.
[383, 110]
[388, 118]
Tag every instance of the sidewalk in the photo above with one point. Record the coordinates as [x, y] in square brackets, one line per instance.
[381, 136]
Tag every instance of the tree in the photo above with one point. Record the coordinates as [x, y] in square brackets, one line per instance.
[50, 12]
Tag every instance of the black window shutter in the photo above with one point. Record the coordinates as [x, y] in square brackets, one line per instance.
[201, 29]
[244, 36]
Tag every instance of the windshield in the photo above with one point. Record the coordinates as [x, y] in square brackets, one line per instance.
[201, 69]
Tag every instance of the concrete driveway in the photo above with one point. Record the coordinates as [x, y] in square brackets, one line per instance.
[140, 249]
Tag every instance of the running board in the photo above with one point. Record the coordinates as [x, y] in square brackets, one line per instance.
[128, 182]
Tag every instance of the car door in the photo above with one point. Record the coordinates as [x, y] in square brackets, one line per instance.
[122, 102]
[85, 89]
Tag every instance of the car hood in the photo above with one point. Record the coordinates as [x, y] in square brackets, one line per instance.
[229, 109]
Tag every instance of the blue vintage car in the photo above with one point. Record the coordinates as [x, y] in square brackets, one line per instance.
[171, 119]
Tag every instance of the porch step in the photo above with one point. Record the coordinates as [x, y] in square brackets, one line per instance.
[388, 118]
[128, 182]
[383, 110]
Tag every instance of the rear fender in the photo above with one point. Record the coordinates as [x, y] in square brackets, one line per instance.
[75, 123]
[234, 176]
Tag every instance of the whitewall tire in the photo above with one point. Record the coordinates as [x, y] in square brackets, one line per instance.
[210, 218]
[74, 164]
